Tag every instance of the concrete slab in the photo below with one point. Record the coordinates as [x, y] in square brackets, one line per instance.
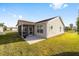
[33, 39]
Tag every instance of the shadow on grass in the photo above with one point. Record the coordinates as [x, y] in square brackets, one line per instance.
[10, 38]
[67, 54]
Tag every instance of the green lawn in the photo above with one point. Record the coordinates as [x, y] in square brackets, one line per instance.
[12, 44]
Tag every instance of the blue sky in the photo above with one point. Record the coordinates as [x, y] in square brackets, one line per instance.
[10, 12]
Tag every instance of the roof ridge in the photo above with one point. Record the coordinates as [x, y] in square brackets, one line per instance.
[25, 21]
[47, 19]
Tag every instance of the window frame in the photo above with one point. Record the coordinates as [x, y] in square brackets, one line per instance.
[51, 27]
[60, 28]
[39, 28]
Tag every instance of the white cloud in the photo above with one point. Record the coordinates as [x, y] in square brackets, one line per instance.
[58, 5]
[50, 5]
[20, 16]
[17, 16]
[65, 5]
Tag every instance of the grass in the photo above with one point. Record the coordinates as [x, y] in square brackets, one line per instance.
[12, 44]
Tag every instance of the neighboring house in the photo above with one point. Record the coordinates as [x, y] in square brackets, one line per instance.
[14, 29]
[8, 28]
[74, 28]
[1, 28]
[45, 28]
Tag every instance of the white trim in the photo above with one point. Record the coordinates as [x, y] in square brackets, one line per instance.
[22, 31]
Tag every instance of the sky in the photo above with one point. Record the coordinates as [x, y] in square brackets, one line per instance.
[10, 13]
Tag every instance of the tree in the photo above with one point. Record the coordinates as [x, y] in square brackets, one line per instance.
[1, 24]
[71, 26]
[5, 28]
[67, 28]
[77, 25]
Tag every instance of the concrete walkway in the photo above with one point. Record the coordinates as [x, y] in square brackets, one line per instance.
[33, 39]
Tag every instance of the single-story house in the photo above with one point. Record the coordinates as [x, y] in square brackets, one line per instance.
[1, 28]
[45, 28]
[14, 29]
[9, 29]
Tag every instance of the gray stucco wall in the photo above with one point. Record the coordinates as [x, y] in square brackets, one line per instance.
[44, 34]
[56, 24]
[47, 31]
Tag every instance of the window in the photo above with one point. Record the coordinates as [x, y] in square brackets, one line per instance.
[25, 29]
[51, 27]
[60, 29]
[41, 26]
[39, 29]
